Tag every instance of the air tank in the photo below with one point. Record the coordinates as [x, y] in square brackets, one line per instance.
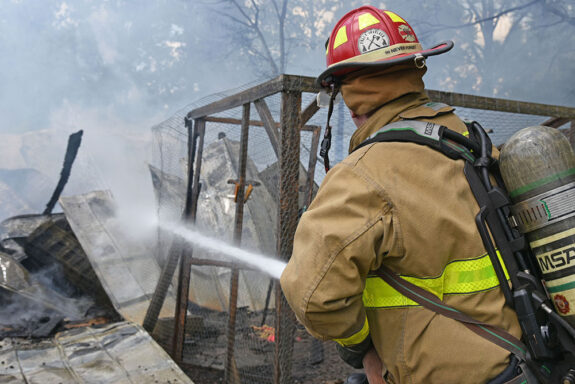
[538, 168]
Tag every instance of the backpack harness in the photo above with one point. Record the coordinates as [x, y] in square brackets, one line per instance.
[547, 354]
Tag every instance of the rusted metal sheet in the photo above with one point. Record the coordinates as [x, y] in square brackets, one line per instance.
[115, 353]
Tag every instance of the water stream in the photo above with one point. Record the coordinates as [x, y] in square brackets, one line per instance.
[266, 264]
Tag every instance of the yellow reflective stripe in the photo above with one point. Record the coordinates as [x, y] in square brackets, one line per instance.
[459, 277]
[366, 20]
[356, 338]
[340, 37]
[502, 264]
[395, 18]
[378, 293]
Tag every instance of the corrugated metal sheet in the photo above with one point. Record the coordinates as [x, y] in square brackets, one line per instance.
[126, 267]
[209, 285]
[116, 353]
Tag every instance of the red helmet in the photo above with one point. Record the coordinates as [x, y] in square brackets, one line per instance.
[371, 37]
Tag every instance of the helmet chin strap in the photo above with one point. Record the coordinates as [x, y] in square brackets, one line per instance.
[326, 142]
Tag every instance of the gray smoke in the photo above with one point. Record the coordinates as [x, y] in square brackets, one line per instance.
[114, 69]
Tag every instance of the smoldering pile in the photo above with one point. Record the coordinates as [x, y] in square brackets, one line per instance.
[45, 281]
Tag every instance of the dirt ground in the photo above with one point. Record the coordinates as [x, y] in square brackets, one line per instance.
[205, 351]
[330, 371]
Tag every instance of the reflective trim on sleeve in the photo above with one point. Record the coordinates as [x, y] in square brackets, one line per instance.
[356, 338]
[459, 277]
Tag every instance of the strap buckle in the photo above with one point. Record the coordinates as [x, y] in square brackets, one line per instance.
[419, 61]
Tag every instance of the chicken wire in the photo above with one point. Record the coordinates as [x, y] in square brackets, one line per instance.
[254, 335]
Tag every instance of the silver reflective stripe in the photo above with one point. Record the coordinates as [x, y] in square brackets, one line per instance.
[545, 208]
[422, 128]
[436, 106]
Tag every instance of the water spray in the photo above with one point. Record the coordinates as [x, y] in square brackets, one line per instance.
[266, 264]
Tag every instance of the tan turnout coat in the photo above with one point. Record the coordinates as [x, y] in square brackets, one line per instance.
[409, 207]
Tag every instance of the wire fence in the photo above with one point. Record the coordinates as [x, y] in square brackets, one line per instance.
[258, 148]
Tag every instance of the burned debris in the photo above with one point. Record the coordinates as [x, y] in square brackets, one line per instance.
[58, 322]
[85, 299]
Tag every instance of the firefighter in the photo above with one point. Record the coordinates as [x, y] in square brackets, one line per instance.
[401, 205]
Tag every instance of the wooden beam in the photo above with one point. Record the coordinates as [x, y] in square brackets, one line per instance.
[307, 84]
[269, 124]
[555, 122]
[309, 111]
[278, 84]
[293, 83]
[501, 105]
[249, 95]
[253, 123]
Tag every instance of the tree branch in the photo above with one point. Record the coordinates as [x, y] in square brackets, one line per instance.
[560, 13]
[233, 18]
[483, 20]
[241, 10]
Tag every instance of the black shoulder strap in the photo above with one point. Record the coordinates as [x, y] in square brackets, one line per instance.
[493, 202]
[435, 136]
[476, 151]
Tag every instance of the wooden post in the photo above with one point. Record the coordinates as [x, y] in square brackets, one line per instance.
[288, 217]
[186, 258]
[572, 134]
[231, 372]
[311, 167]
[269, 124]
[176, 248]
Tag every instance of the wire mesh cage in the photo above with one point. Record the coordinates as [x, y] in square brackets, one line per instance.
[242, 165]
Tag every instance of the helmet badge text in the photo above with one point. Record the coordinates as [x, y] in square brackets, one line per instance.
[371, 40]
